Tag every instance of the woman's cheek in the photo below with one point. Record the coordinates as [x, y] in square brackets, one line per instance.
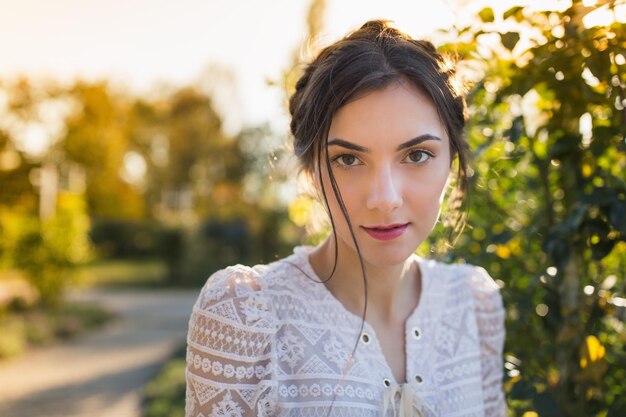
[348, 187]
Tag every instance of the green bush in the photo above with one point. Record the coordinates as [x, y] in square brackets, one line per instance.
[549, 201]
[164, 396]
[123, 272]
[124, 238]
[47, 250]
[42, 327]
[13, 340]
[212, 246]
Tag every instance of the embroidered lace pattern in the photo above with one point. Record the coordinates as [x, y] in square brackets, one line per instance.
[268, 341]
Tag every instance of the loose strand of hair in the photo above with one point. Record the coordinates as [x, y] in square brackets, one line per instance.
[344, 211]
[330, 215]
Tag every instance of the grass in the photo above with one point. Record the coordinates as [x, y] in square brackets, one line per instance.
[25, 325]
[126, 273]
[38, 327]
[164, 395]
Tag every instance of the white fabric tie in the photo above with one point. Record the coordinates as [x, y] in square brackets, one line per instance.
[411, 404]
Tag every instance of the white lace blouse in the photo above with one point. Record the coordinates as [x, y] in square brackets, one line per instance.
[269, 341]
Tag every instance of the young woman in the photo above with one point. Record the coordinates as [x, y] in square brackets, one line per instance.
[359, 325]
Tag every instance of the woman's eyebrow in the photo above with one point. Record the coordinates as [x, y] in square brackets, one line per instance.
[346, 144]
[415, 141]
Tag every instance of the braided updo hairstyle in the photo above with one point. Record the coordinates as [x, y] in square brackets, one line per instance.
[366, 60]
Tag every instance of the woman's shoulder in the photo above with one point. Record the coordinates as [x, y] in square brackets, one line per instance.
[474, 279]
[485, 290]
[241, 281]
[478, 278]
[230, 282]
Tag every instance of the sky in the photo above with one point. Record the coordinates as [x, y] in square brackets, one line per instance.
[141, 44]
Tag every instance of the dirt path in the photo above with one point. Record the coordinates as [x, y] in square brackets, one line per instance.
[99, 375]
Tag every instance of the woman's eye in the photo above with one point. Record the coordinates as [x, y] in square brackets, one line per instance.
[347, 160]
[418, 156]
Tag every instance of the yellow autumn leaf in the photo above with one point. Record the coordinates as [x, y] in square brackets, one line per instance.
[503, 252]
[587, 170]
[530, 414]
[592, 351]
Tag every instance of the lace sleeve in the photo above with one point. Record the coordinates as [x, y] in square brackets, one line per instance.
[229, 364]
[490, 320]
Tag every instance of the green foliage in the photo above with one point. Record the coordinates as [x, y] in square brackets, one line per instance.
[216, 245]
[193, 169]
[42, 327]
[96, 140]
[126, 239]
[47, 250]
[164, 396]
[486, 15]
[14, 171]
[188, 173]
[547, 217]
[13, 340]
[122, 272]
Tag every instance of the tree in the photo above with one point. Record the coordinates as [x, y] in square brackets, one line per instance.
[45, 244]
[193, 167]
[96, 139]
[549, 213]
[17, 189]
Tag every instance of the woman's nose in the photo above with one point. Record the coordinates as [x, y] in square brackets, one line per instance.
[384, 192]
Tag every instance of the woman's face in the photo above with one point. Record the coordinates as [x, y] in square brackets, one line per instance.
[390, 156]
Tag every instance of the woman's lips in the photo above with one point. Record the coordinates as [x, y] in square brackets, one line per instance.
[389, 232]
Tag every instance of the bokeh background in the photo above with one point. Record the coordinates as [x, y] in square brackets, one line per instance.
[144, 145]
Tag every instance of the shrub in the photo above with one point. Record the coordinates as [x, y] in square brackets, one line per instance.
[47, 250]
[122, 238]
[164, 396]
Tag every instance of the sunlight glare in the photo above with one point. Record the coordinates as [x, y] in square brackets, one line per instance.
[35, 139]
[556, 5]
[542, 310]
[135, 168]
[585, 128]
[603, 16]
[589, 78]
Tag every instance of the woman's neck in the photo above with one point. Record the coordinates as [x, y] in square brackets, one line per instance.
[393, 291]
